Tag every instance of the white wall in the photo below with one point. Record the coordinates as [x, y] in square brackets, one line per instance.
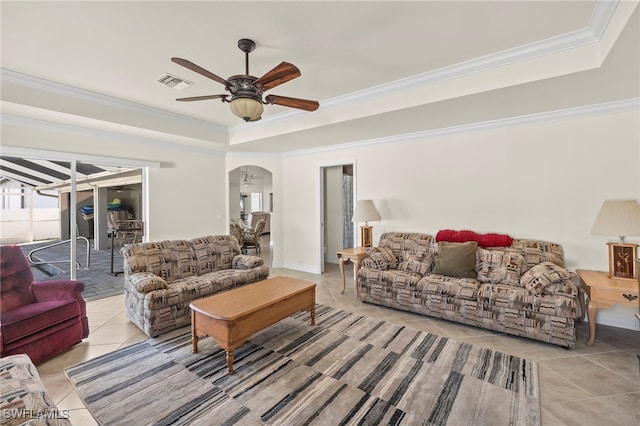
[187, 194]
[544, 181]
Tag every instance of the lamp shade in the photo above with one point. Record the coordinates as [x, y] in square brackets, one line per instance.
[365, 212]
[249, 109]
[618, 217]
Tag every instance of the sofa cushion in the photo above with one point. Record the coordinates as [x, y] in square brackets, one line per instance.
[483, 240]
[462, 288]
[517, 301]
[402, 244]
[230, 278]
[419, 264]
[192, 288]
[170, 260]
[182, 290]
[542, 275]
[146, 281]
[30, 319]
[389, 280]
[381, 258]
[499, 266]
[536, 251]
[214, 252]
[456, 259]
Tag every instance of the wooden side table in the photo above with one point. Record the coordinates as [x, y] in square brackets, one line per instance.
[355, 255]
[604, 292]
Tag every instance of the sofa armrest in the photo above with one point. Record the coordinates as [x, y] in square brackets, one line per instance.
[144, 282]
[246, 261]
[57, 290]
[565, 287]
[63, 290]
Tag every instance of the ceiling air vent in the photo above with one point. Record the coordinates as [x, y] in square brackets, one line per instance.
[177, 83]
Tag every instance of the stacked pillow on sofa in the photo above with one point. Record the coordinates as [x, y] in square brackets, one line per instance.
[497, 260]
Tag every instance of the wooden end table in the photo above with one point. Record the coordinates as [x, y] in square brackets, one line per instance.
[355, 255]
[231, 317]
[603, 292]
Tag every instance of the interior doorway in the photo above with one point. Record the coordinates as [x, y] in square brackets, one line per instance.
[250, 191]
[337, 230]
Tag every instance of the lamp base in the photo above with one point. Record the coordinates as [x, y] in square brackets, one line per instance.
[366, 235]
[621, 260]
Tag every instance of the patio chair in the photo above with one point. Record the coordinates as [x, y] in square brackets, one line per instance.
[251, 238]
[237, 231]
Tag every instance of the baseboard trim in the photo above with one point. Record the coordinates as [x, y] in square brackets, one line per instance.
[618, 319]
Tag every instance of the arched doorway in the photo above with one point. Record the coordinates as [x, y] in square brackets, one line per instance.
[250, 191]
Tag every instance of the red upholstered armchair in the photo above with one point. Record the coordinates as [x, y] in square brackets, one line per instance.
[40, 319]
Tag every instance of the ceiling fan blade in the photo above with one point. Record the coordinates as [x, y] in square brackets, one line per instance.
[292, 102]
[278, 75]
[195, 68]
[201, 98]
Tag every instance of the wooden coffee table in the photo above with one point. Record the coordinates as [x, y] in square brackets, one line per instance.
[231, 317]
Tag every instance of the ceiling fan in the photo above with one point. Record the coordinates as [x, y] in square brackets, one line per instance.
[246, 90]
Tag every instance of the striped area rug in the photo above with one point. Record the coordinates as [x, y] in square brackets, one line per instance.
[348, 369]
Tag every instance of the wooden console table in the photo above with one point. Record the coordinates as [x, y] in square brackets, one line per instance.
[604, 292]
[356, 255]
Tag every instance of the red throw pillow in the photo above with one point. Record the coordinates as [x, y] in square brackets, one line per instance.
[494, 240]
[483, 240]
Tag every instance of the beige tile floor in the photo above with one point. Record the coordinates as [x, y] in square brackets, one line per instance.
[597, 385]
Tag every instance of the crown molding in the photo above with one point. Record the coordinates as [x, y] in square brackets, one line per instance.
[625, 105]
[602, 14]
[600, 19]
[603, 11]
[32, 82]
[237, 154]
[153, 139]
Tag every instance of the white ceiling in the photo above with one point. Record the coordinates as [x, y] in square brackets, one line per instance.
[358, 59]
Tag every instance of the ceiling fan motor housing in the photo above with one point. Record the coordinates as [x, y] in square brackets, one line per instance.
[241, 86]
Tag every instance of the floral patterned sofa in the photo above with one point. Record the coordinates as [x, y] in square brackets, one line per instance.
[162, 278]
[514, 286]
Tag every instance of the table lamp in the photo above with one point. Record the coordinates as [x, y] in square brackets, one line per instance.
[621, 218]
[365, 212]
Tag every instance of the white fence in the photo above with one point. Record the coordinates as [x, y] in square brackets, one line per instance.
[26, 225]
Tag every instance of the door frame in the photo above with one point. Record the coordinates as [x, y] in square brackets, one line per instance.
[321, 205]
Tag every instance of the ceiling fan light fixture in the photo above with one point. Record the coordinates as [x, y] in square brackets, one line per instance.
[249, 109]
